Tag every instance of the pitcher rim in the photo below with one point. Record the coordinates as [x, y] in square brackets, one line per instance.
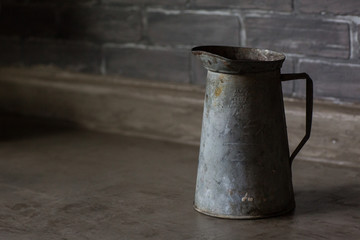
[280, 57]
[238, 60]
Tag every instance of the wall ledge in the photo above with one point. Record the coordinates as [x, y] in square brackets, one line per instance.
[164, 111]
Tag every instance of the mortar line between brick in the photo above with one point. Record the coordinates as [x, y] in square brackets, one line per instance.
[44, 40]
[225, 12]
[190, 70]
[192, 11]
[325, 18]
[131, 7]
[188, 3]
[102, 61]
[144, 25]
[345, 18]
[148, 47]
[354, 41]
[264, 13]
[295, 84]
[293, 55]
[242, 30]
[296, 69]
[293, 6]
[329, 62]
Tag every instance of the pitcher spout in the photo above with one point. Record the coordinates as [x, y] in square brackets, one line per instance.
[238, 60]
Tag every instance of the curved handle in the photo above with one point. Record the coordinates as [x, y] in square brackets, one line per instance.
[309, 107]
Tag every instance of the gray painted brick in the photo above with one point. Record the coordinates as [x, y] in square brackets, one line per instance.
[340, 81]
[288, 67]
[160, 65]
[101, 24]
[81, 23]
[147, 2]
[79, 57]
[10, 52]
[49, 3]
[357, 50]
[348, 7]
[279, 5]
[27, 21]
[287, 88]
[191, 29]
[301, 36]
[198, 72]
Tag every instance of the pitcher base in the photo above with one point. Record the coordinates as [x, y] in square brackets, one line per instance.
[244, 217]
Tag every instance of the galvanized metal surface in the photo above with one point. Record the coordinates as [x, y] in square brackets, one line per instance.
[235, 60]
[244, 168]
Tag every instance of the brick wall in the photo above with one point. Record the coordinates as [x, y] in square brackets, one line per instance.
[151, 38]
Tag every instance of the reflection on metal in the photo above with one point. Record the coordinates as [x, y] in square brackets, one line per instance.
[244, 162]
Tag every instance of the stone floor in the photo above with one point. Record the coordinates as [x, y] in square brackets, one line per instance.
[58, 182]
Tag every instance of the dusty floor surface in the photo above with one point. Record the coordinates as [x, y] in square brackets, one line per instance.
[62, 183]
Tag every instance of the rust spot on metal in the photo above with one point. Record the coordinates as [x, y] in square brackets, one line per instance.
[221, 78]
[231, 191]
[247, 198]
[227, 63]
[218, 91]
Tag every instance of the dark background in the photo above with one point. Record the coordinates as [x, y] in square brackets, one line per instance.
[151, 39]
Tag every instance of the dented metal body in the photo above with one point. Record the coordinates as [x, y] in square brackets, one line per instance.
[244, 166]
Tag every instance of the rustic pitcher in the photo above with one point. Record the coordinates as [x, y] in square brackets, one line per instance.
[244, 166]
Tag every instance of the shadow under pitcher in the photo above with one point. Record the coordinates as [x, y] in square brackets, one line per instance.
[244, 166]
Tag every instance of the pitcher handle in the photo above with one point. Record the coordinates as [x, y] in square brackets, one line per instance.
[309, 107]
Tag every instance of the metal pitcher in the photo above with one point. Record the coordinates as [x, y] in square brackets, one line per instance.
[244, 166]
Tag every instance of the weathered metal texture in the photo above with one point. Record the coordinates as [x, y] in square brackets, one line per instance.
[236, 60]
[244, 167]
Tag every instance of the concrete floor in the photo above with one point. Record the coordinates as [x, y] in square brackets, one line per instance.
[57, 182]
